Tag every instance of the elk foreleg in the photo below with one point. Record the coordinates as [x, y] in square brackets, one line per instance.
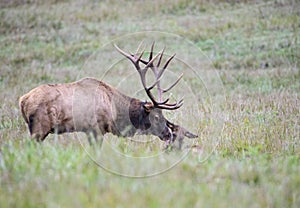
[38, 128]
[96, 136]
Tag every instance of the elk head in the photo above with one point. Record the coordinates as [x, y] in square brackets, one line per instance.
[150, 119]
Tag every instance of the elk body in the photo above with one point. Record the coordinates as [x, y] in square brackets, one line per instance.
[96, 108]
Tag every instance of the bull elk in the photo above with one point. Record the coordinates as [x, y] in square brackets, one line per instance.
[94, 107]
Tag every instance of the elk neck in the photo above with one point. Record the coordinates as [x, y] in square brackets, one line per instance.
[138, 117]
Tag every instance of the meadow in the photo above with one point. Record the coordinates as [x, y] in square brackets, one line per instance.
[241, 88]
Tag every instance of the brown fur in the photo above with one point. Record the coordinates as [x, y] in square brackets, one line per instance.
[93, 107]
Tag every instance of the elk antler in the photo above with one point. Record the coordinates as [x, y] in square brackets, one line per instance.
[136, 59]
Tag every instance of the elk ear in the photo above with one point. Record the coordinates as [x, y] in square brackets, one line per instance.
[148, 107]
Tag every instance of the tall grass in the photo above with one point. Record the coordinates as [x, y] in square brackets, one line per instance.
[247, 153]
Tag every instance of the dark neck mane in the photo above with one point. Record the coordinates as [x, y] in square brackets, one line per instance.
[137, 114]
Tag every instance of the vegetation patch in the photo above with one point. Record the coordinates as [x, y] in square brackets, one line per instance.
[252, 160]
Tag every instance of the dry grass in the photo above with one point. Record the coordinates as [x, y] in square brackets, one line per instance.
[247, 93]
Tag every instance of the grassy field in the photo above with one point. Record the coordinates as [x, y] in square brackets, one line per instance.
[241, 67]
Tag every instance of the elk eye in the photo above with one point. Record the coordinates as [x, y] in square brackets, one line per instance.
[156, 117]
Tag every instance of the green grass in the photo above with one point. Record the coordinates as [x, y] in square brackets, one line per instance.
[247, 153]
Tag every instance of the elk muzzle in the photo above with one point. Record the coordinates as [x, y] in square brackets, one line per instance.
[167, 134]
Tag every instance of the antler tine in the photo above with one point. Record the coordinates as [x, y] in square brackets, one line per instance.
[138, 49]
[168, 61]
[152, 60]
[171, 107]
[165, 67]
[160, 58]
[143, 61]
[154, 84]
[123, 52]
[135, 61]
[137, 58]
[174, 104]
[151, 52]
[164, 102]
[140, 56]
[150, 56]
[175, 83]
